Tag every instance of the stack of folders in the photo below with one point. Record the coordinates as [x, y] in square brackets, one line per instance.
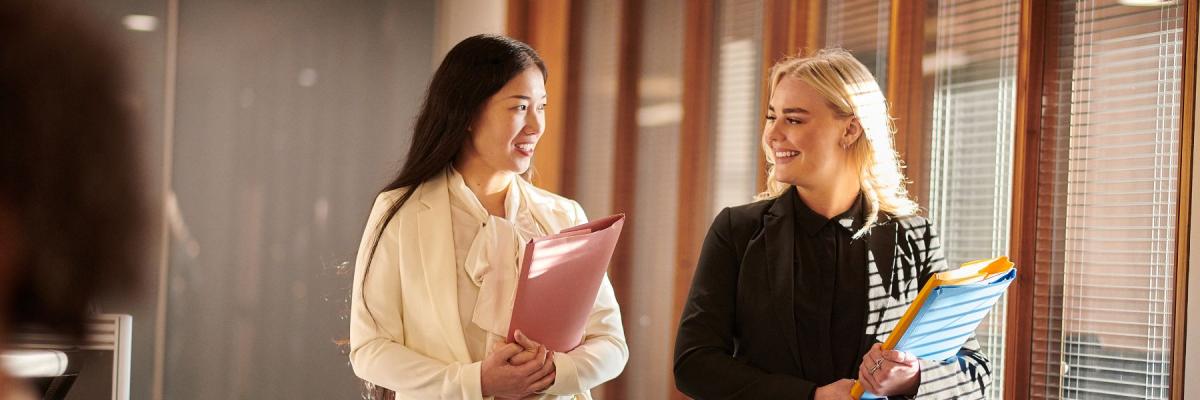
[947, 310]
[559, 279]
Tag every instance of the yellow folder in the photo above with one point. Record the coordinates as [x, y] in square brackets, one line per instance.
[978, 285]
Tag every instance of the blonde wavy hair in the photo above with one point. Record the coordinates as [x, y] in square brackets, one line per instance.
[851, 91]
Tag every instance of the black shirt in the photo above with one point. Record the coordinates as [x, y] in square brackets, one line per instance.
[737, 337]
[831, 290]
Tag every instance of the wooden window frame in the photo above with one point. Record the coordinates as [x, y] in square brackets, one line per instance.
[1187, 132]
[625, 158]
[906, 91]
[1031, 70]
[799, 24]
[548, 27]
[802, 22]
[1035, 54]
[695, 170]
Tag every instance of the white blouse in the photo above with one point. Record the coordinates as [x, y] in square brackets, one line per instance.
[475, 245]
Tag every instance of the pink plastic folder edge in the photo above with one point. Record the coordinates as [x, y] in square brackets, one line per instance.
[559, 280]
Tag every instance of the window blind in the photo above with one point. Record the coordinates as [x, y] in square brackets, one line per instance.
[737, 114]
[861, 26]
[1107, 294]
[974, 68]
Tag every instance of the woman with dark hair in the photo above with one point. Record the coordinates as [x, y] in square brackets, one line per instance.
[70, 211]
[436, 269]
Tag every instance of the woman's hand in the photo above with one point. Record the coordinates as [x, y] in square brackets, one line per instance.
[531, 348]
[839, 390]
[517, 370]
[889, 372]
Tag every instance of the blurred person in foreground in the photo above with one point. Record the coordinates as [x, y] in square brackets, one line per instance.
[70, 211]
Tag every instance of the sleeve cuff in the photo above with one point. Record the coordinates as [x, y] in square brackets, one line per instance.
[566, 376]
[472, 384]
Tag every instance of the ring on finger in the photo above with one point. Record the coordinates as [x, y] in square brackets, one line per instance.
[878, 363]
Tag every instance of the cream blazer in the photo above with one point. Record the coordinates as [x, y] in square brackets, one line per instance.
[412, 339]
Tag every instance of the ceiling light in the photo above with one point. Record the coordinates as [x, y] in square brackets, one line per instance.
[141, 23]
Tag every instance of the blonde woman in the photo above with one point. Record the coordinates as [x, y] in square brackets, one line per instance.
[793, 293]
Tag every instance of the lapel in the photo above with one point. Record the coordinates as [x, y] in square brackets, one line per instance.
[779, 237]
[881, 256]
[883, 252]
[436, 244]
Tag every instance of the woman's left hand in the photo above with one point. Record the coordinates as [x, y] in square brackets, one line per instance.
[531, 349]
[889, 372]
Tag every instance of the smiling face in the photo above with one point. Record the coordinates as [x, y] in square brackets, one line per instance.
[805, 137]
[506, 132]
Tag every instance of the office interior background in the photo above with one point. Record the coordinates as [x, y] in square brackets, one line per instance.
[1059, 132]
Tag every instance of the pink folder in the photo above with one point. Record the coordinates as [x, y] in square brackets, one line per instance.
[559, 279]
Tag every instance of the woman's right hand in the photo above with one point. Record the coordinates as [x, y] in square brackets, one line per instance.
[500, 378]
[839, 390]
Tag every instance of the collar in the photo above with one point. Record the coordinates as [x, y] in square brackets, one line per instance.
[462, 193]
[810, 222]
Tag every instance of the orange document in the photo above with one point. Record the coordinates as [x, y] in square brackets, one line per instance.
[559, 279]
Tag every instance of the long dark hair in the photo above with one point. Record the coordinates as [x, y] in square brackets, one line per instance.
[472, 72]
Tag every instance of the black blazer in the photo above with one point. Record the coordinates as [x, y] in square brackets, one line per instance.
[737, 334]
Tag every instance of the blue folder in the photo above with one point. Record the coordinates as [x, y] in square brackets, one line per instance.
[950, 315]
[948, 310]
